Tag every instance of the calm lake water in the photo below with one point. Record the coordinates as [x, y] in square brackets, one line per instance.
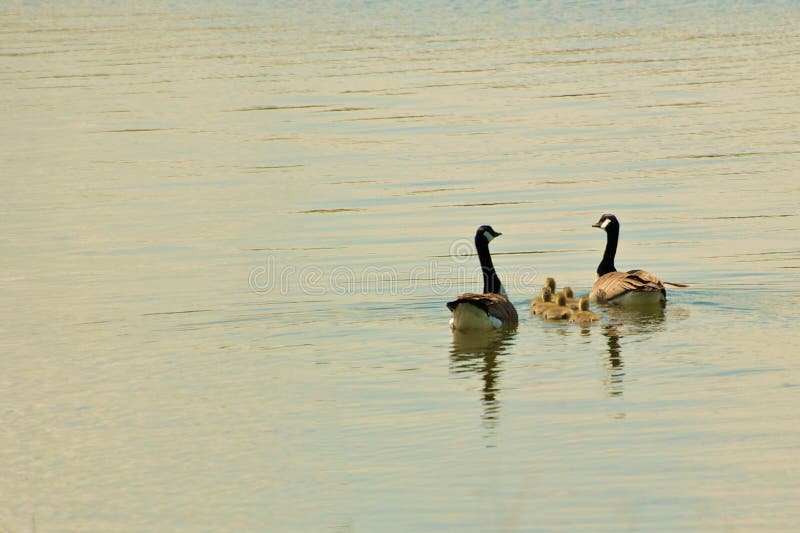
[230, 230]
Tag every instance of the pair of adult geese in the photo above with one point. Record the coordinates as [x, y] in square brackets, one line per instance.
[492, 309]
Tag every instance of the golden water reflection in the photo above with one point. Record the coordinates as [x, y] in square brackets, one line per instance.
[480, 352]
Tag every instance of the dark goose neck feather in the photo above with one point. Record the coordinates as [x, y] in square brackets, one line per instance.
[491, 283]
[612, 238]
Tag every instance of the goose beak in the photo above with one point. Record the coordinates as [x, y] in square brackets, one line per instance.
[498, 234]
[596, 225]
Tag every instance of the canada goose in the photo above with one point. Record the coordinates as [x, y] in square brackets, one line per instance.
[551, 284]
[543, 302]
[568, 293]
[625, 288]
[560, 311]
[541, 298]
[583, 315]
[490, 309]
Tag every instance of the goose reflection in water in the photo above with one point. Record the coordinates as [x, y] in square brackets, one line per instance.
[480, 352]
[627, 323]
[616, 368]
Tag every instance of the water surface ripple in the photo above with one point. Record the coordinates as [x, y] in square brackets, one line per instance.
[230, 230]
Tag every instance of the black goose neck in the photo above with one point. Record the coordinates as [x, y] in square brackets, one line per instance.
[491, 283]
[612, 238]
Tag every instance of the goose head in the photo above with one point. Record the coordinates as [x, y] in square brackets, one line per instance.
[606, 221]
[583, 304]
[486, 233]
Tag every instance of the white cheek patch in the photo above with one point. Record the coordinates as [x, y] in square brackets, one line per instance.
[605, 223]
[488, 236]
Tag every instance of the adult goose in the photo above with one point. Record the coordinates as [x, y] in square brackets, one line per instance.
[634, 287]
[491, 308]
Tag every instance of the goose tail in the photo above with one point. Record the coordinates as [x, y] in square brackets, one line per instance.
[673, 284]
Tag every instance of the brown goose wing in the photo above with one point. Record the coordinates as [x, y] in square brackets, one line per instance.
[647, 276]
[494, 304]
[614, 284]
[644, 276]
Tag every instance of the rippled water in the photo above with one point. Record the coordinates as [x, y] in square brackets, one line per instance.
[230, 231]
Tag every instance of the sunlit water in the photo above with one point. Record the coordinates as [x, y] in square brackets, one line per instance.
[229, 232]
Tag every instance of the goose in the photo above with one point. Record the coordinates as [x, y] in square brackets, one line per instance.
[541, 297]
[583, 315]
[569, 294]
[634, 287]
[542, 302]
[560, 311]
[490, 309]
[551, 284]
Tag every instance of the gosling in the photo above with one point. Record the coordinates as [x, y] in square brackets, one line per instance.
[572, 302]
[542, 302]
[551, 283]
[583, 315]
[560, 311]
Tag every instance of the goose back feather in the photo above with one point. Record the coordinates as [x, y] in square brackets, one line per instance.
[614, 285]
[482, 311]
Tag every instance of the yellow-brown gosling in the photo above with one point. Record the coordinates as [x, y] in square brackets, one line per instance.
[543, 302]
[572, 302]
[560, 311]
[551, 283]
[541, 298]
[583, 315]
